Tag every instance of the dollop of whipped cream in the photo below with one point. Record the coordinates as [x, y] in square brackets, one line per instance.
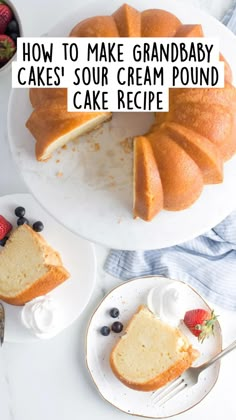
[168, 301]
[41, 316]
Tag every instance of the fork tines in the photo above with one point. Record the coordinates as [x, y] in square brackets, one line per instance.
[169, 391]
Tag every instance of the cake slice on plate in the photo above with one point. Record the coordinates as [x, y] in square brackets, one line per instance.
[29, 267]
[151, 353]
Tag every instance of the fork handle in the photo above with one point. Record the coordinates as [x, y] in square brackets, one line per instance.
[223, 353]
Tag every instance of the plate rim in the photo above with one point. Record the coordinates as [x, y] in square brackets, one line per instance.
[91, 247]
[86, 346]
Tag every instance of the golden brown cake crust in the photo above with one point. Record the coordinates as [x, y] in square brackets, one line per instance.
[214, 122]
[55, 275]
[160, 380]
[181, 178]
[148, 193]
[128, 21]
[225, 97]
[53, 278]
[46, 124]
[38, 96]
[187, 31]
[200, 149]
[158, 23]
[228, 71]
[98, 26]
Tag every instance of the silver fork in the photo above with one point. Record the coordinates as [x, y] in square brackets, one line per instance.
[187, 379]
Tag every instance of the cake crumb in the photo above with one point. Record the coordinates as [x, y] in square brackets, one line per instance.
[73, 149]
[58, 160]
[127, 144]
[95, 147]
[59, 174]
[64, 147]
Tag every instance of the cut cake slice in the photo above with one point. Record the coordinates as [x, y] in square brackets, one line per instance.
[148, 194]
[29, 267]
[151, 353]
[54, 126]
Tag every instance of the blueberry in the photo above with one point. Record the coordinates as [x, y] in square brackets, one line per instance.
[13, 27]
[3, 241]
[22, 221]
[20, 211]
[14, 36]
[117, 327]
[38, 226]
[114, 312]
[105, 330]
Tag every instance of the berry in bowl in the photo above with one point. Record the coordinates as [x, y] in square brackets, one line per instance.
[10, 30]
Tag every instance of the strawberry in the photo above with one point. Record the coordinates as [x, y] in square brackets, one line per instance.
[5, 227]
[200, 322]
[5, 17]
[7, 48]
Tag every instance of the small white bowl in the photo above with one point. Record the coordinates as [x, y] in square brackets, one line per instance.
[7, 66]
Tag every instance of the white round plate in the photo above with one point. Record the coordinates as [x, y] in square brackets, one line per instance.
[127, 298]
[78, 257]
[92, 178]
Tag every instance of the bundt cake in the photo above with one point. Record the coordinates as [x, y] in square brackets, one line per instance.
[183, 150]
[151, 353]
[29, 267]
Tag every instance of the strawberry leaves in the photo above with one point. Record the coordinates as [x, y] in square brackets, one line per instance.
[7, 48]
[201, 323]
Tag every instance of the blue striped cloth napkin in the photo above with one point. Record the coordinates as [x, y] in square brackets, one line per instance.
[208, 262]
[229, 18]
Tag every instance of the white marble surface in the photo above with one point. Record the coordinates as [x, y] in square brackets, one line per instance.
[48, 379]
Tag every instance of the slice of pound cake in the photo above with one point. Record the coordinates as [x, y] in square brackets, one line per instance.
[151, 353]
[29, 267]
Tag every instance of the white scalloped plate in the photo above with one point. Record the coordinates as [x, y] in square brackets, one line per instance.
[127, 298]
[78, 256]
[92, 178]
